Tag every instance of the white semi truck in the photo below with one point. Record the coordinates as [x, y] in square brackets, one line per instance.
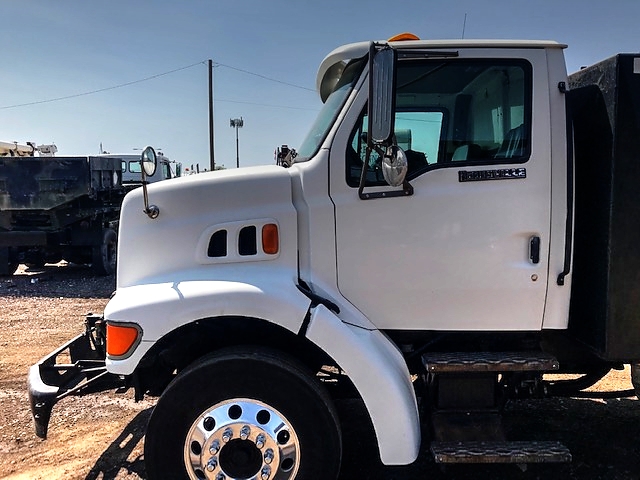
[460, 222]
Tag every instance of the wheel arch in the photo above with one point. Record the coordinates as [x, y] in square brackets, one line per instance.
[185, 345]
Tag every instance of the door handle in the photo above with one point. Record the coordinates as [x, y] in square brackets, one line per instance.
[534, 249]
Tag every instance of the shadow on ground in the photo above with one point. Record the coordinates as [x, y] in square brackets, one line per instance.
[59, 280]
[116, 457]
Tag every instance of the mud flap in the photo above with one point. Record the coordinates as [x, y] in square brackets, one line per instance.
[76, 368]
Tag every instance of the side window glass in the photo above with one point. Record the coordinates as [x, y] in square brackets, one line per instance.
[452, 113]
[418, 133]
[134, 166]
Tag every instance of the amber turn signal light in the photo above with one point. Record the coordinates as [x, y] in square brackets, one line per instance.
[121, 338]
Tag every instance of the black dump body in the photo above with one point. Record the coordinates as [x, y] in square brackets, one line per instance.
[52, 184]
[53, 206]
[604, 103]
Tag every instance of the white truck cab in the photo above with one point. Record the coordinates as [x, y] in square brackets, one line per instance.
[419, 249]
[131, 169]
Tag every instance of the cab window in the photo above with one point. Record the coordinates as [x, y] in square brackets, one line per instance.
[134, 166]
[454, 113]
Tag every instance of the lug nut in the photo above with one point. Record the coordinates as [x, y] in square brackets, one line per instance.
[245, 432]
[212, 464]
[268, 456]
[227, 435]
[266, 473]
[221, 476]
[260, 439]
[215, 447]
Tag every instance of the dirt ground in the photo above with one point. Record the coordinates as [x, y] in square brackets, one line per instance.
[101, 436]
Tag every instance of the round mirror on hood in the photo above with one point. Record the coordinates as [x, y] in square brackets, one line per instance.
[394, 166]
[149, 161]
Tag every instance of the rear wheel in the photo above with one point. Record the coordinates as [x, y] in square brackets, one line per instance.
[635, 377]
[11, 265]
[104, 255]
[244, 414]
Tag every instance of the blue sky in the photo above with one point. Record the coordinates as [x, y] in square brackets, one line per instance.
[51, 49]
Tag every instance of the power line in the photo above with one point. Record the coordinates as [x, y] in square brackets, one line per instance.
[267, 105]
[101, 89]
[264, 77]
[126, 84]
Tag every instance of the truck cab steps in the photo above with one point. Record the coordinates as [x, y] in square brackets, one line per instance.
[518, 452]
[468, 362]
[467, 391]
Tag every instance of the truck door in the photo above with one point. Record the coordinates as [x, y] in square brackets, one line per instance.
[469, 249]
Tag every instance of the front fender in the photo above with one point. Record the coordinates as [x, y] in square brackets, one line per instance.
[161, 308]
[380, 374]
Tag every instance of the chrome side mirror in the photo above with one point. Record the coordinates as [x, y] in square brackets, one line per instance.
[148, 164]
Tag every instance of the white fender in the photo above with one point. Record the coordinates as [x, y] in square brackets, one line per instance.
[162, 307]
[378, 370]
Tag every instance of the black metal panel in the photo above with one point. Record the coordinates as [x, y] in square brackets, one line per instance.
[605, 306]
[43, 183]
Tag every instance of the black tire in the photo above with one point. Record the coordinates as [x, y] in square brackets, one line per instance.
[9, 258]
[247, 380]
[635, 377]
[12, 267]
[104, 255]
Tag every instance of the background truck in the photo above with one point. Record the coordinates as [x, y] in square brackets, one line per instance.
[457, 227]
[54, 208]
[131, 171]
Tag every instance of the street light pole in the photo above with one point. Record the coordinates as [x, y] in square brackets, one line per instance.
[237, 123]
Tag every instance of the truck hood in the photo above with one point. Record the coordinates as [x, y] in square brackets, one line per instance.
[174, 246]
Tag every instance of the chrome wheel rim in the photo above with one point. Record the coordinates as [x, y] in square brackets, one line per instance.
[241, 439]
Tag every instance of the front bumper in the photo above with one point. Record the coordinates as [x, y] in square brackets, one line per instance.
[76, 368]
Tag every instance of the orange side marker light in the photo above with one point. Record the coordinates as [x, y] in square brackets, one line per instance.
[270, 240]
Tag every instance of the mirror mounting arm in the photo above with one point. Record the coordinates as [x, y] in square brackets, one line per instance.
[148, 164]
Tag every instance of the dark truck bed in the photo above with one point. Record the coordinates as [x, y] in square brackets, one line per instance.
[605, 306]
[54, 208]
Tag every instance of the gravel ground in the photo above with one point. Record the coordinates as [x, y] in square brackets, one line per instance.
[101, 436]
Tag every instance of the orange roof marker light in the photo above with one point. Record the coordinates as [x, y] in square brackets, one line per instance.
[401, 37]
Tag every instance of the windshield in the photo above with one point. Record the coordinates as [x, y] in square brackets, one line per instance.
[330, 109]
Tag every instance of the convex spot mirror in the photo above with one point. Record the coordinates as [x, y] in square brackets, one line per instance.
[149, 161]
[394, 166]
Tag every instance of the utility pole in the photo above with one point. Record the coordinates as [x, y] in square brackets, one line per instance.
[212, 159]
[237, 123]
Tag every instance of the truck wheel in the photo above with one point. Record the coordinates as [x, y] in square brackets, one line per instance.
[635, 377]
[243, 414]
[104, 255]
[9, 259]
[12, 267]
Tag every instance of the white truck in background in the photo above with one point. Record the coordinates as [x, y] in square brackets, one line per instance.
[131, 170]
[458, 223]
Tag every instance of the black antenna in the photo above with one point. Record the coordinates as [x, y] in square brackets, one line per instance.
[464, 25]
